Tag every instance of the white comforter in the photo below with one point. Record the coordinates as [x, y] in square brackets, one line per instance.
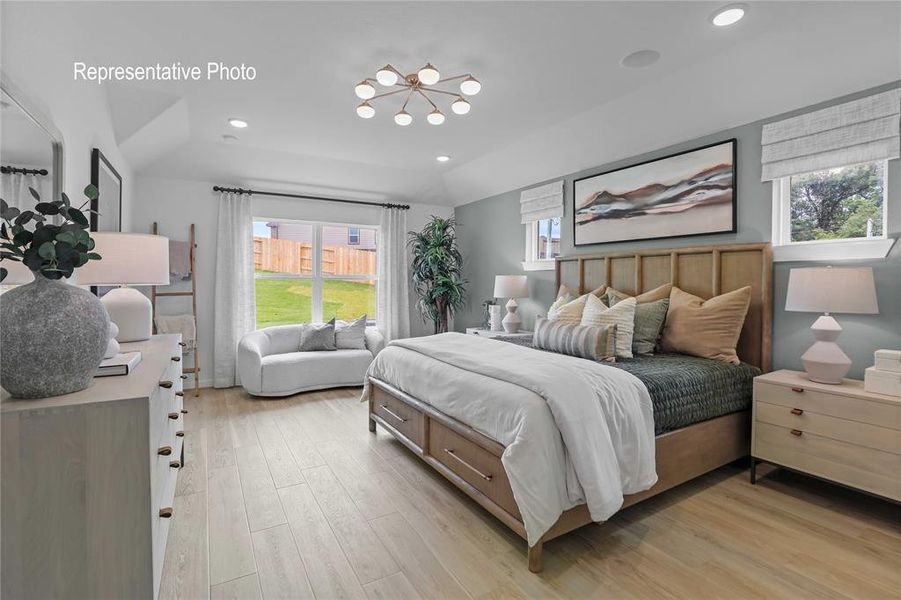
[575, 431]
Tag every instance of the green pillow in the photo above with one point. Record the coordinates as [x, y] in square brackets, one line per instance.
[649, 319]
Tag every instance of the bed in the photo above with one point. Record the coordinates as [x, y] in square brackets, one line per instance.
[692, 434]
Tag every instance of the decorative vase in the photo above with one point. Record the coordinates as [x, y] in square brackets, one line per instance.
[52, 338]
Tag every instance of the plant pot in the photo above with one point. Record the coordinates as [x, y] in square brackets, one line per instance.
[52, 338]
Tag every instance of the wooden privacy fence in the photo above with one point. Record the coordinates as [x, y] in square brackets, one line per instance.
[287, 256]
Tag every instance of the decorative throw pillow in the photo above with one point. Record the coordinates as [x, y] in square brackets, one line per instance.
[564, 292]
[706, 328]
[318, 336]
[649, 317]
[568, 312]
[622, 315]
[350, 335]
[599, 291]
[594, 343]
[658, 293]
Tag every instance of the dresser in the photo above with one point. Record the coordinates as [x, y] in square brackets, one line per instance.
[837, 432]
[88, 482]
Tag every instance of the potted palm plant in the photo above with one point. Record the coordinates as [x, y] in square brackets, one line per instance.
[437, 271]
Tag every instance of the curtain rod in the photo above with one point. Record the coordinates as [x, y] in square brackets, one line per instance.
[219, 188]
[8, 169]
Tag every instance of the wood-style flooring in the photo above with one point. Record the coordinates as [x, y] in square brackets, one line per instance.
[294, 498]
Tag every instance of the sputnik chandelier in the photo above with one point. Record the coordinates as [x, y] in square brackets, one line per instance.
[419, 84]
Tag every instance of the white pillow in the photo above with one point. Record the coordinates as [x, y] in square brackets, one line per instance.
[351, 335]
[621, 314]
[567, 311]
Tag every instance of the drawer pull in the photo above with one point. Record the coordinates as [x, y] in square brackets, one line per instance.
[184, 412]
[796, 432]
[798, 390]
[166, 384]
[166, 512]
[180, 394]
[182, 344]
[183, 376]
[467, 465]
[797, 412]
[392, 413]
[176, 359]
[174, 464]
[179, 434]
[173, 416]
[164, 450]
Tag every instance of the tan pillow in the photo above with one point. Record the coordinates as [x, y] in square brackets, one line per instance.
[622, 315]
[706, 328]
[564, 292]
[658, 293]
[599, 292]
[568, 312]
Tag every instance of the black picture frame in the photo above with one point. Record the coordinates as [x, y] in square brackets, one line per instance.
[102, 172]
[734, 203]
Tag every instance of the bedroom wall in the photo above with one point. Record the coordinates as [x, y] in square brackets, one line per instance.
[493, 242]
[176, 203]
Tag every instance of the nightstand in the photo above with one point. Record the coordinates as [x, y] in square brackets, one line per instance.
[841, 433]
[493, 334]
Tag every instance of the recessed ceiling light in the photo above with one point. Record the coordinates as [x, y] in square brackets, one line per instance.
[640, 59]
[442, 158]
[229, 138]
[237, 123]
[728, 15]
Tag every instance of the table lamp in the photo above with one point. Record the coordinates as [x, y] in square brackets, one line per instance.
[128, 259]
[830, 290]
[512, 287]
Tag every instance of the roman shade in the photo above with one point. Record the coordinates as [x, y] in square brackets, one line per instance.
[542, 202]
[859, 131]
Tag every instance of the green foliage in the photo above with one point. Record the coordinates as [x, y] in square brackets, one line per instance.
[437, 271]
[54, 250]
[290, 301]
[837, 204]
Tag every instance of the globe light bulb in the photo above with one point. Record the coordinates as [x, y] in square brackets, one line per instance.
[364, 90]
[386, 76]
[728, 15]
[470, 86]
[365, 110]
[461, 106]
[436, 117]
[403, 118]
[442, 158]
[429, 75]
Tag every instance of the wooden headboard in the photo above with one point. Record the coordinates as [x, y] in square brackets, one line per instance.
[704, 271]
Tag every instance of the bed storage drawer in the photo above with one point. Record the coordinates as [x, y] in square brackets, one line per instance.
[472, 463]
[399, 415]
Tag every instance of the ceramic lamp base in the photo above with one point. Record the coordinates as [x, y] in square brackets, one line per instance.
[511, 321]
[824, 361]
[131, 311]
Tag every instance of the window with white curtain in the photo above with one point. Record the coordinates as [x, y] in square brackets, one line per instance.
[310, 272]
[541, 211]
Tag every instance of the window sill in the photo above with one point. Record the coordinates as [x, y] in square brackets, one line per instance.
[833, 251]
[538, 265]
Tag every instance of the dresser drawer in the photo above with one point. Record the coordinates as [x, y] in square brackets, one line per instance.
[857, 466]
[472, 463]
[853, 432]
[834, 405]
[407, 420]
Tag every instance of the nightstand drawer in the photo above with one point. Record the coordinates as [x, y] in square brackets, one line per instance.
[864, 468]
[853, 432]
[827, 403]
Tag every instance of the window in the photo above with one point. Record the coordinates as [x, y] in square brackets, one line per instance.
[831, 214]
[310, 272]
[542, 244]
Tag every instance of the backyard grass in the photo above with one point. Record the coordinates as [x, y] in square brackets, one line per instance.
[288, 301]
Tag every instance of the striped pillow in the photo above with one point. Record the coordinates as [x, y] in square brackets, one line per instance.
[622, 314]
[593, 343]
[568, 312]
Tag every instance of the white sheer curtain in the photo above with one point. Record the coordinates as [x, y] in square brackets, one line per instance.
[235, 302]
[394, 290]
[14, 189]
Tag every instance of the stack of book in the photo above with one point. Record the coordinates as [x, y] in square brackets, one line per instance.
[884, 377]
[121, 364]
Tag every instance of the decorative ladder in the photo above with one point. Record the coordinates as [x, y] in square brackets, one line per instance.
[195, 368]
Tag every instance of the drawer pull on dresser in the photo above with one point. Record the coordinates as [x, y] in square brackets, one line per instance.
[180, 394]
[797, 412]
[183, 376]
[182, 344]
[179, 434]
[174, 464]
[467, 465]
[164, 450]
[166, 512]
[166, 384]
[184, 412]
[176, 358]
[173, 416]
[392, 413]
[796, 432]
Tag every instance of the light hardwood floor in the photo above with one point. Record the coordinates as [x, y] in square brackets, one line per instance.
[294, 498]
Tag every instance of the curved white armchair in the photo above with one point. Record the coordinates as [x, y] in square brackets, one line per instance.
[270, 365]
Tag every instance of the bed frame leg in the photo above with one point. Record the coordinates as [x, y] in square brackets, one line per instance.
[536, 562]
[371, 424]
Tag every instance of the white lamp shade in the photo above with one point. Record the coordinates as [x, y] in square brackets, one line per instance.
[511, 286]
[17, 273]
[832, 290]
[127, 259]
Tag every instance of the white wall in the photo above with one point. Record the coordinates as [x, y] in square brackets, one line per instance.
[176, 203]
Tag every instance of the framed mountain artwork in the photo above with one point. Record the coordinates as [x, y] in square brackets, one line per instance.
[689, 193]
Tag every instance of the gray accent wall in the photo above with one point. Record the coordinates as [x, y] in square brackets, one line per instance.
[493, 243]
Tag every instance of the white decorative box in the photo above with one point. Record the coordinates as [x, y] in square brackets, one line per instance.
[888, 360]
[882, 382]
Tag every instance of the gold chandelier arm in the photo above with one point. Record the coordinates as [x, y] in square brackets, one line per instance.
[429, 89]
[388, 93]
[404, 107]
[442, 80]
[427, 99]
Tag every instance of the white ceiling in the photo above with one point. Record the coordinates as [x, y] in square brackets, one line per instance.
[554, 97]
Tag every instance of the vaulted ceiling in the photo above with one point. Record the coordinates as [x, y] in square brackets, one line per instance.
[554, 99]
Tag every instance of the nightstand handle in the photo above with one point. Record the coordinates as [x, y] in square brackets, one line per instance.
[796, 432]
[797, 412]
[797, 390]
